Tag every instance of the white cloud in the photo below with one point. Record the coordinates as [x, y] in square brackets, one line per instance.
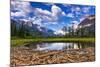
[72, 9]
[55, 10]
[17, 14]
[48, 16]
[70, 15]
[20, 5]
[81, 19]
[49, 23]
[49, 4]
[21, 8]
[38, 22]
[45, 15]
[85, 16]
[63, 13]
[77, 9]
[86, 9]
[53, 23]
[67, 5]
[12, 14]
[59, 32]
[26, 20]
[75, 24]
[39, 11]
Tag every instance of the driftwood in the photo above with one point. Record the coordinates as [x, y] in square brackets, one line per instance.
[27, 57]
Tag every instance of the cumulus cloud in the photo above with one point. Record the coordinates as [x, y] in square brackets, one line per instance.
[43, 17]
[86, 9]
[17, 14]
[67, 5]
[49, 16]
[77, 9]
[71, 15]
[39, 11]
[55, 10]
[20, 6]
[50, 23]
[37, 21]
[22, 9]
[19, 9]
[63, 13]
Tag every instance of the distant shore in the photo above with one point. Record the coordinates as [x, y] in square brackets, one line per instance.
[19, 41]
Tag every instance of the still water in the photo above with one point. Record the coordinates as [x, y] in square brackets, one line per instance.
[59, 46]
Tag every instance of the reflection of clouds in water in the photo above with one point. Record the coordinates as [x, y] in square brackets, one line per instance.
[56, 46]
[76, 46]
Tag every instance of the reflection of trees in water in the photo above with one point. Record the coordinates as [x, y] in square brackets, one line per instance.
[73, 46]
[85, 45]
[79, 45]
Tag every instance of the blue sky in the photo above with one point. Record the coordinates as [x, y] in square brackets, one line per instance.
[50, 15]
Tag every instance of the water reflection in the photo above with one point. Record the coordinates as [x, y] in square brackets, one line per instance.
[59, 46]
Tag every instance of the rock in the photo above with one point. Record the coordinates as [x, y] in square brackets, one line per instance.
[24, 56]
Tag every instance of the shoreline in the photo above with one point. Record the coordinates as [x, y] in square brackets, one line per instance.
[19, 42]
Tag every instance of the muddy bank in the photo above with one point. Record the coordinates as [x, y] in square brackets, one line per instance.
[25, 56]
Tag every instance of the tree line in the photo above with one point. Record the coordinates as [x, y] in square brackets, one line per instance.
[23, 31]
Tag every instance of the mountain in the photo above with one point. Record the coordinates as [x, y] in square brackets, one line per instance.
[88, 21]
[21, 27]
[87, 26]
[47, 32]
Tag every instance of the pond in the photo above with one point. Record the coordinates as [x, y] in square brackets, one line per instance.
[59, 46]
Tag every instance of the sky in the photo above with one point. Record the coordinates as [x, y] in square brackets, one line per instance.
[50, 15]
